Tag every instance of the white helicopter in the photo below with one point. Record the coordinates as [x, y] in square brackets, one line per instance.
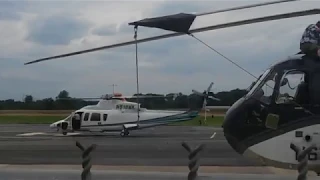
[257, 126]
[114, 113]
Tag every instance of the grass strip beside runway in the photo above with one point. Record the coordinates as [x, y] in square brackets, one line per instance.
[47, 119]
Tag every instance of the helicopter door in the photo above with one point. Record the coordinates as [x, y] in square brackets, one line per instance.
[85, 119]
[292, 97]
[76, 121]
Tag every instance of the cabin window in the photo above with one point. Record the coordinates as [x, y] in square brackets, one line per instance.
[292, 87]
[95, 117]
[86, 117]
[105, 117]
[268, 88]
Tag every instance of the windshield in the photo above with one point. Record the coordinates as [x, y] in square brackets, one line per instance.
[258, 82]
[264, 87]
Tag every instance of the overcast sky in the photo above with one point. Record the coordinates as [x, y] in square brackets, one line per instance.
[32, 29]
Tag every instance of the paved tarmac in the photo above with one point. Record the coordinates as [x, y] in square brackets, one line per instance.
[154, 153]
[114, 175]
[69, 172]
[159, 146]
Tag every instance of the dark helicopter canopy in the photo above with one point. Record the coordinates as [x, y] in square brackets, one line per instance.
[298, 61]
[301, 63]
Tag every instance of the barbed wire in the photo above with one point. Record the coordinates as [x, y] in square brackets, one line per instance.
[194, 156]
[86, 160]
[302, 157]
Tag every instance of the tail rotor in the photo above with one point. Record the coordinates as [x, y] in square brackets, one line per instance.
[207, 94]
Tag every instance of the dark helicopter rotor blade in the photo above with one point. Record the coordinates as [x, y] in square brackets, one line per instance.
[149, 96]
[197, 30]
[244, 7]
[84, 98]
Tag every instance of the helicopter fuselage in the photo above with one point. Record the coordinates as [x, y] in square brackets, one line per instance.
[123, 117]
[281, 108]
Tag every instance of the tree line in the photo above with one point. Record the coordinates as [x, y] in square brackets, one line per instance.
[64, 102]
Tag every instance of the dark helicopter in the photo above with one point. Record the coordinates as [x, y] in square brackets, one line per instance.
[281, 107]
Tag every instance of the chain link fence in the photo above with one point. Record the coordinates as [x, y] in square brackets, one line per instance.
[194, 157]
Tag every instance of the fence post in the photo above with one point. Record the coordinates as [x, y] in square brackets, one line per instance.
[86, 160]
[302, 157]
[194, 156]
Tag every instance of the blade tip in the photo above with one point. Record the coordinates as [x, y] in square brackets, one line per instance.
[30, 62]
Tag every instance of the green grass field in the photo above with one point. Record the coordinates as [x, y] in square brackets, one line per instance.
[47, 119]
[29, 119]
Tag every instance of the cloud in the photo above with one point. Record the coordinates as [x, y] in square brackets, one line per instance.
[9, 10]
[179, 64]
[56, 30]
[106, 30]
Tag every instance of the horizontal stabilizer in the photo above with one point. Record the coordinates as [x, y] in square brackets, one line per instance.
[130, 126]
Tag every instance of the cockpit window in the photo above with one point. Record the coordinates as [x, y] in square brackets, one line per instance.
[264, 86]
[292, 85]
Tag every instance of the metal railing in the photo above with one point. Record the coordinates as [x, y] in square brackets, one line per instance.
[194, 157]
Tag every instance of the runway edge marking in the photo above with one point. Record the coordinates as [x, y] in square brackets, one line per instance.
[31, 134]
[69, 134]
[47, 134]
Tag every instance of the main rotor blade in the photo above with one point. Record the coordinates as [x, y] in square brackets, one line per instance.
[197, 93]
[208, 28]
[214, 98]
[85, 98]
[209, 88]
[143, 96]
[243, 7]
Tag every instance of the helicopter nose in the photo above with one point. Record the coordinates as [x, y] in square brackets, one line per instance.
[52, 125]
[232, 126]
[230, 131]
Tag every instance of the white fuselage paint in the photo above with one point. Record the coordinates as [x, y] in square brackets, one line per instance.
[119, 113]
[277, 152]
[130, 116]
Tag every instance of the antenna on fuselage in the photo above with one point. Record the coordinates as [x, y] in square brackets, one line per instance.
[113, 85]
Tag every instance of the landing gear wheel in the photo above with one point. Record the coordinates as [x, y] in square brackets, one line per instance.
[124, 133]
[64, 133]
